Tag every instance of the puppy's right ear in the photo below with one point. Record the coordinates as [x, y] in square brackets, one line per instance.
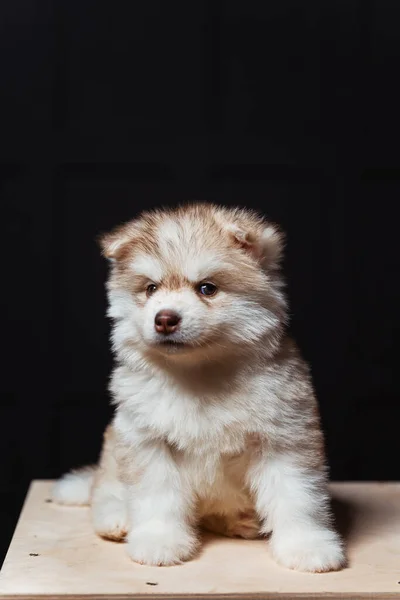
[114, 243]
[266, 246]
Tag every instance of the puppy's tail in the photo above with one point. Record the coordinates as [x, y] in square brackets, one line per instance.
[75, 488]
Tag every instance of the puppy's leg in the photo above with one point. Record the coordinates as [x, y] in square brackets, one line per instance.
[293, 501]
[109, 501]
[161, 506]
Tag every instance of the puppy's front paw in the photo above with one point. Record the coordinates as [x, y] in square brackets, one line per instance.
[158, 543]
[315, 551]
[110, 519]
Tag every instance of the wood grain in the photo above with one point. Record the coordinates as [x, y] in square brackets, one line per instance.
[54, 553]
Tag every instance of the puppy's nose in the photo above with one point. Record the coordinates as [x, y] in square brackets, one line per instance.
[166, 321]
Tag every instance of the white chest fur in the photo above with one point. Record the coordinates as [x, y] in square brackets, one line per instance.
[191, 421]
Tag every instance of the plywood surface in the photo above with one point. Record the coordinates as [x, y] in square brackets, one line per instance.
[54, 553]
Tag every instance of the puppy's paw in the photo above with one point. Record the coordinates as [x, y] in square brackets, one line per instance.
[74, 488]
[110, 519]
[238, 525]
[246, 526]
[158, 543]
[315, 551]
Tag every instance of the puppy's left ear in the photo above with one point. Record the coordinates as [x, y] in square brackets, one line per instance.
[266, 245]
[110, 244]
[113, 244]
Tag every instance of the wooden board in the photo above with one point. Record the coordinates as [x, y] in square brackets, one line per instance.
[54, 553]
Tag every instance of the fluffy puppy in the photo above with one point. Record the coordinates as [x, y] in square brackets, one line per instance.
[216, 422]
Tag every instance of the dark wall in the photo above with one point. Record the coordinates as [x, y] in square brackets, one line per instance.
[291, 107]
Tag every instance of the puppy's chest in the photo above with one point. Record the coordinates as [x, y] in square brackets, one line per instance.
[191, 422]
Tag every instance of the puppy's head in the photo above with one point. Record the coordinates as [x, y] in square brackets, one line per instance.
[199, 280]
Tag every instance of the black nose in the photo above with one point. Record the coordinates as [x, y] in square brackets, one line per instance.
[166, 321]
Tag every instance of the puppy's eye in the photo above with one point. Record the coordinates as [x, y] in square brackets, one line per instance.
[207, 289]
[151, 288]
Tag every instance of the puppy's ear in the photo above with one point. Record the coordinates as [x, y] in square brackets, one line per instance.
[265, 245]
[272, 243]
[114, 243]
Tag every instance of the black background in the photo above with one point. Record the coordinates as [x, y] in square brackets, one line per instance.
[291, 107]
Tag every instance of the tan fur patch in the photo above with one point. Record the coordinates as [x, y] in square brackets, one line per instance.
[197, 226]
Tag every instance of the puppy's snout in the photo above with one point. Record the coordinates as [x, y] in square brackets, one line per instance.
[166, 321]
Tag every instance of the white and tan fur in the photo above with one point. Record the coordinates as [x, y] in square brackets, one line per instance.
[221, 430]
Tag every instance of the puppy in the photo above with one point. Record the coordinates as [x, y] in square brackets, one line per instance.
[216, 422]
